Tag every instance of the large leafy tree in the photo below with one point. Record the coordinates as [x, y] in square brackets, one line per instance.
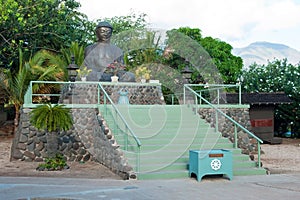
[127, 23]
[34, 25]
[129, 32]
[183, 49]
[228, 65]
[143, 48]
[277, 76]
[140, 45]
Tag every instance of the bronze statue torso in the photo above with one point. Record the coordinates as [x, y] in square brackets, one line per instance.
[98, 56]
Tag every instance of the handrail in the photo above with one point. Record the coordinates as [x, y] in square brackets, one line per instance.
[211, 87]
[217, 87]
[138, 142]
[121, 116]
[259, 141]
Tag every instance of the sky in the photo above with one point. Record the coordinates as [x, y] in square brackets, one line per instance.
[237, 22]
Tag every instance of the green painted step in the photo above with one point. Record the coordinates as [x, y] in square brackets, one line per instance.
[248, 171]
[237, 158]
[151, 148]
[167, 133]
[164, 175]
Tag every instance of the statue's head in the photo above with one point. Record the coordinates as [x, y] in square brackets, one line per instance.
[104, 24]
[104, 31]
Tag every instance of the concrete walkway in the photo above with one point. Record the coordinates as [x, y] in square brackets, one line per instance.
[265, 187]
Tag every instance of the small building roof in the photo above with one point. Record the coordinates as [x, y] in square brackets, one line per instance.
[259, 98]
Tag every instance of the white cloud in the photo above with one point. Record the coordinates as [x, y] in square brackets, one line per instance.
[237, 22]
[280, 15]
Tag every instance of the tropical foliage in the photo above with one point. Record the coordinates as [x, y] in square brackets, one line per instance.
[129, 22]
[213, 52]
[43, 66]
[75, 50]
[15, 86]
[229, 66]
[142, 48]
[51, 118]
[36, 25]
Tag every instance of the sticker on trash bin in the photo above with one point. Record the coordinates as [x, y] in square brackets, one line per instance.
[215, 164]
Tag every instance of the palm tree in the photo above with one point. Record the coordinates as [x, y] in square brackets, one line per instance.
[52, 119]
[42, 66]
[16, 85]
[75, 50]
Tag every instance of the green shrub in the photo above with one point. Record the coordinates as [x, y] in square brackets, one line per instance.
[53, 164]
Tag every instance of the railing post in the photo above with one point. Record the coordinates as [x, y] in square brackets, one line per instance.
[218, 96]
[240, 94]
[217, 121]
[28, 95]
[235, 137]
[196, 104]
[104, 102]
[184, 94]
[99, 95]
[138, 159]
[30, 92]
[126, 139]
[172, 99]
[258, 154]
[200, 94]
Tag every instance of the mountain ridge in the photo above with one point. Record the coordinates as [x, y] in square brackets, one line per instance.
[261, 52]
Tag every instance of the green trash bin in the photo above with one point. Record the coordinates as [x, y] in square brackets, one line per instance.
[210, 162]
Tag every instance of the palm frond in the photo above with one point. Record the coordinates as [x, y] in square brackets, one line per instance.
[77, 51]
[51, 118]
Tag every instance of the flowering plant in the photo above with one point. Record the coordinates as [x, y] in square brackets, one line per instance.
[115, 67]
[142, 72]
[83, 72]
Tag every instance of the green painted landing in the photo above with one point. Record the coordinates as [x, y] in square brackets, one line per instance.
[167, 133]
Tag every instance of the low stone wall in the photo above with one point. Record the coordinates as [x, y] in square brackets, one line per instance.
[87, 93]
[240, 115]
[30, 144]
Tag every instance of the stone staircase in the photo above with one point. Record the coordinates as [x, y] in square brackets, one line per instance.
[167, 133]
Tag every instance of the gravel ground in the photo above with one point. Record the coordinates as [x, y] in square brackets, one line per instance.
[282, 158]
[278, 159]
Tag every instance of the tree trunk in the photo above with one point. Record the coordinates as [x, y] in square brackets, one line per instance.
[52, 144]
[16, 120]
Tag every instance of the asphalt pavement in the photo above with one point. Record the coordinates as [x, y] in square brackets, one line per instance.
[263, 187]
